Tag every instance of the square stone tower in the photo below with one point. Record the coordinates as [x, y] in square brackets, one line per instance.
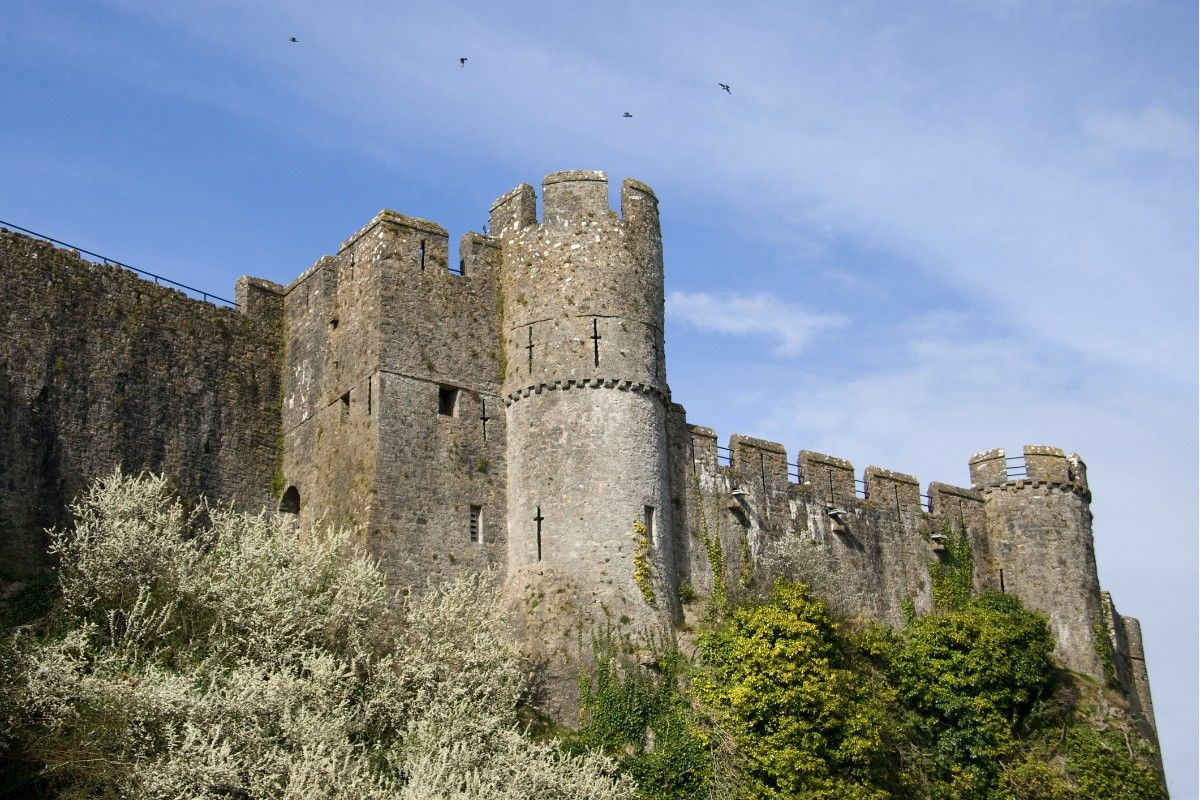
[392, 416]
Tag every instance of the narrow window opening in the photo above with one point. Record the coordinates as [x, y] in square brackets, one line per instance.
[447, 400]
[648, 521]
[596, 337]
[421, 255]
[333, 323]
[538, 518]
[370, 380]
[207, 447]
[529, 348]
[290, 503]
[475, 524]
[1001, 581]
[345, 406]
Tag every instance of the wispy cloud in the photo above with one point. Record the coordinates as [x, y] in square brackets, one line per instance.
[1153, 130]
[788, 326]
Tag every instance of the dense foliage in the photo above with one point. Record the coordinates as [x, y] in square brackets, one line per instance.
[642, 718]
[786, 686]
[965, 704]
[225, 655]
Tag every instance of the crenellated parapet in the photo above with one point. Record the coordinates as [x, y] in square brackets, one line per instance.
[830, 478]
[582, 288]
[1038, 465]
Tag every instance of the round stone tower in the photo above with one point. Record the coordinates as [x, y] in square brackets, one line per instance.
[586, 395]
[1039, 528]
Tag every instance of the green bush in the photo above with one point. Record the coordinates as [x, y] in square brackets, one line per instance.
[642, 720]
[810, 722]
[969, 680]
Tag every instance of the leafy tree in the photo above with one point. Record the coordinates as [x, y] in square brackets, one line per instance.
[810, 722]
[970, 679]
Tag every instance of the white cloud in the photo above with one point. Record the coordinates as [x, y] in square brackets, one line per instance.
[1153, 130]
[787, 325]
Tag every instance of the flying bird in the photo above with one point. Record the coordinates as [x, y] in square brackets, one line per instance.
[293, 40]
[627, 115]
[462, 62]
[725, 86]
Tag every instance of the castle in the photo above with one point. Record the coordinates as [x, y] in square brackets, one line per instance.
[510, 410]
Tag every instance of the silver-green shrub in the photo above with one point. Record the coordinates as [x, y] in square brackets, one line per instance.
[212, 654]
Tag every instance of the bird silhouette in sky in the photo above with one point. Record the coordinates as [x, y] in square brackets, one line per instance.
[462, 62]
[627, 115]
[293, 40]
[725, 86]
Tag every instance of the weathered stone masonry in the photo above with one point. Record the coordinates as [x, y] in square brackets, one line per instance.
[514, 412]
[100, 369]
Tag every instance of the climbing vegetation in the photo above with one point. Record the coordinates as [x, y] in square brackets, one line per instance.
[952, 575]
[643, 573]
[711, 539]
[641, 717]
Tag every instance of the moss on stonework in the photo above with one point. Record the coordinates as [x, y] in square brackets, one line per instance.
[1103, 647]
[712, 547]
[643, 575]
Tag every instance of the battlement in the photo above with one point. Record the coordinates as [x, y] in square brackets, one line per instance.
[387, 217]
[260, 298]
[830, 479]
[1038, 464]
[571, 196]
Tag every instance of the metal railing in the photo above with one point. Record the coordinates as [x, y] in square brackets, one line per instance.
[724, 456]
[1014, 467]
[207, 297]
[860, 489]
[926, 502]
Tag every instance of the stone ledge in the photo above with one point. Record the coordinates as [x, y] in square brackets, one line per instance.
[1021, 483]
[621, 384]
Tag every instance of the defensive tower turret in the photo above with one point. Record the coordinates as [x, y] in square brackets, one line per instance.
[1039, 530]
[586, 394]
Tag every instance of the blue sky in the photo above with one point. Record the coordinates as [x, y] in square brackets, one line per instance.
[910, 233]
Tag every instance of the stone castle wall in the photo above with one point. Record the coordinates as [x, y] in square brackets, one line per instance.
[100, 369]
[524, 389]
[865, 546]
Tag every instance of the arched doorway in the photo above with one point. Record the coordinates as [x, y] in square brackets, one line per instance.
[290, 504]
